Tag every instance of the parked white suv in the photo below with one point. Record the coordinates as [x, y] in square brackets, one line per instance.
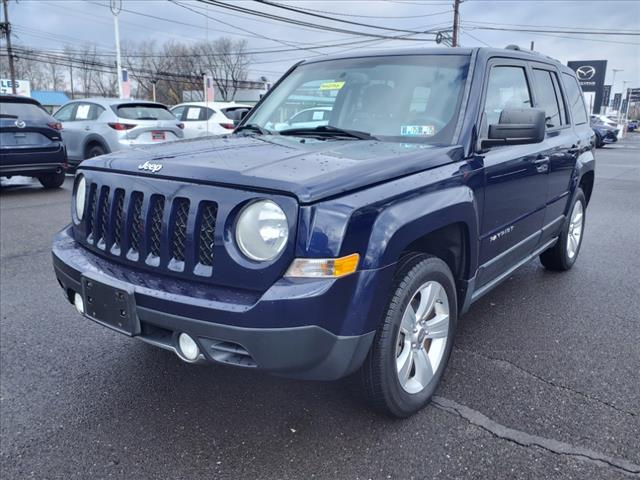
[209, 118]
[95, 126]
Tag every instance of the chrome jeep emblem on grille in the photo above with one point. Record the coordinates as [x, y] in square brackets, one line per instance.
[151, 167]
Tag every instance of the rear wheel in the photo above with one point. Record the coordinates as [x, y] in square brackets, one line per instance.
[564, 253]
[52, 180]
[411, 349]
[95, 150]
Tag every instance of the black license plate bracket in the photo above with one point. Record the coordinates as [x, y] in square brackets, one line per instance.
[110, 305]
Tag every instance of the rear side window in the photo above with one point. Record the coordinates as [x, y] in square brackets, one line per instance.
[23, 111]
[88, 111]
[547, 99]
[507, 89]
[144, 111]
[575, 98]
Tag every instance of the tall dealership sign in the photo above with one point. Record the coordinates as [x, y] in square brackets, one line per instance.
[591, 74]
[606, 96]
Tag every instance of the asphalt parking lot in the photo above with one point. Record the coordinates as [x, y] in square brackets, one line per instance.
[544, 381]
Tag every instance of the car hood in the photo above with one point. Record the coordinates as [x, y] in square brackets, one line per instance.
[307, 168]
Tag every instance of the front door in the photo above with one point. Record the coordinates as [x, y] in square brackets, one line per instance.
[516, 179]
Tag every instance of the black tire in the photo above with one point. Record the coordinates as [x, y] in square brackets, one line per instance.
[95, 150]
[378, 374]
[599, 141]
[557, 257]
[52, 180]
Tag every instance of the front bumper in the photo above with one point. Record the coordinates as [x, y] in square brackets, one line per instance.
[324, 335]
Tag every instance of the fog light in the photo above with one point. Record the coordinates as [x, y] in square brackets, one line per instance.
[188, 347]
[79, 303]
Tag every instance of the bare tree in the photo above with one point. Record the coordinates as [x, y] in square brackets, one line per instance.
[228, 63]
[26, 69]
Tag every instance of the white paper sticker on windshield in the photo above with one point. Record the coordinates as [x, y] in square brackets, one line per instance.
[193, 113]
[318, 115]
[417, 130]
[82, 112]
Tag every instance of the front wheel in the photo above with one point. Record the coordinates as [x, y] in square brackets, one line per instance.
[412, 346]
[52, 180]
[564, 253]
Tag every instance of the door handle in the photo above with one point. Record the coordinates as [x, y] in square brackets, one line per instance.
[87, 128]
[542, 164]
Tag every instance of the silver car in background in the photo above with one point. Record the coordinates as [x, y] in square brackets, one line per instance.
[95, 126]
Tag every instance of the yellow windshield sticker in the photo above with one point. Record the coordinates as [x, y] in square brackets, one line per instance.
[331, 85]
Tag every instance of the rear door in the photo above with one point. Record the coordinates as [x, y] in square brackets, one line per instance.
[153, 122]
[561, 146]
[515, 176]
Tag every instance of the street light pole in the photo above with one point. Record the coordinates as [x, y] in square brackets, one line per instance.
[116, 6]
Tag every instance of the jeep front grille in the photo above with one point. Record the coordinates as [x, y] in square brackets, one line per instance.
[153, 231]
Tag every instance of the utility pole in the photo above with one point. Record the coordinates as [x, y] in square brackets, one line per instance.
[456, 22]
[116, 6]
[6, 26]
[153, 89]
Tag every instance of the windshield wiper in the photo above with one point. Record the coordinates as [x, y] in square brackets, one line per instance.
[6, 115]
[147, 118]
[254, 127]
[328, 130]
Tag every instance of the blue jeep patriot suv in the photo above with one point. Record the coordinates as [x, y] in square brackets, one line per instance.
[348, 241]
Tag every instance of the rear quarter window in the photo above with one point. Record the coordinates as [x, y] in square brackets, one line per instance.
[575, 98]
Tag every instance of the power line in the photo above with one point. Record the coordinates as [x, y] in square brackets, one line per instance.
[550, 26]
[333, 19]
[564, 32]
[303, 23]
[385, 17]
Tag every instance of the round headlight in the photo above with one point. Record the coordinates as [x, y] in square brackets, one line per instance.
[80, 194]
[262, 230]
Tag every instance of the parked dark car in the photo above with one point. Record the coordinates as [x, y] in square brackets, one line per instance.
[632, 125]
[353, 246]
[604, 134]
[30, 142]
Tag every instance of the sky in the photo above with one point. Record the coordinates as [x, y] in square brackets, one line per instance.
[53, 24]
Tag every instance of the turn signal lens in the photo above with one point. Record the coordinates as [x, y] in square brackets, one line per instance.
[228, 126]
[323, 267]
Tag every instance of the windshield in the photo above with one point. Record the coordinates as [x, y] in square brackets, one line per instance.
[412, 98]
[144, 111]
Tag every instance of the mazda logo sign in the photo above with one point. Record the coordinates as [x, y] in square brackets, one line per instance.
[20, 124]
[586, 72]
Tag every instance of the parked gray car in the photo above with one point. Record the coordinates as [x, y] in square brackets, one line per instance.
[95, 126]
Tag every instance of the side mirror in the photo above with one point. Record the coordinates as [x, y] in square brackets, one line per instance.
[517, 127]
